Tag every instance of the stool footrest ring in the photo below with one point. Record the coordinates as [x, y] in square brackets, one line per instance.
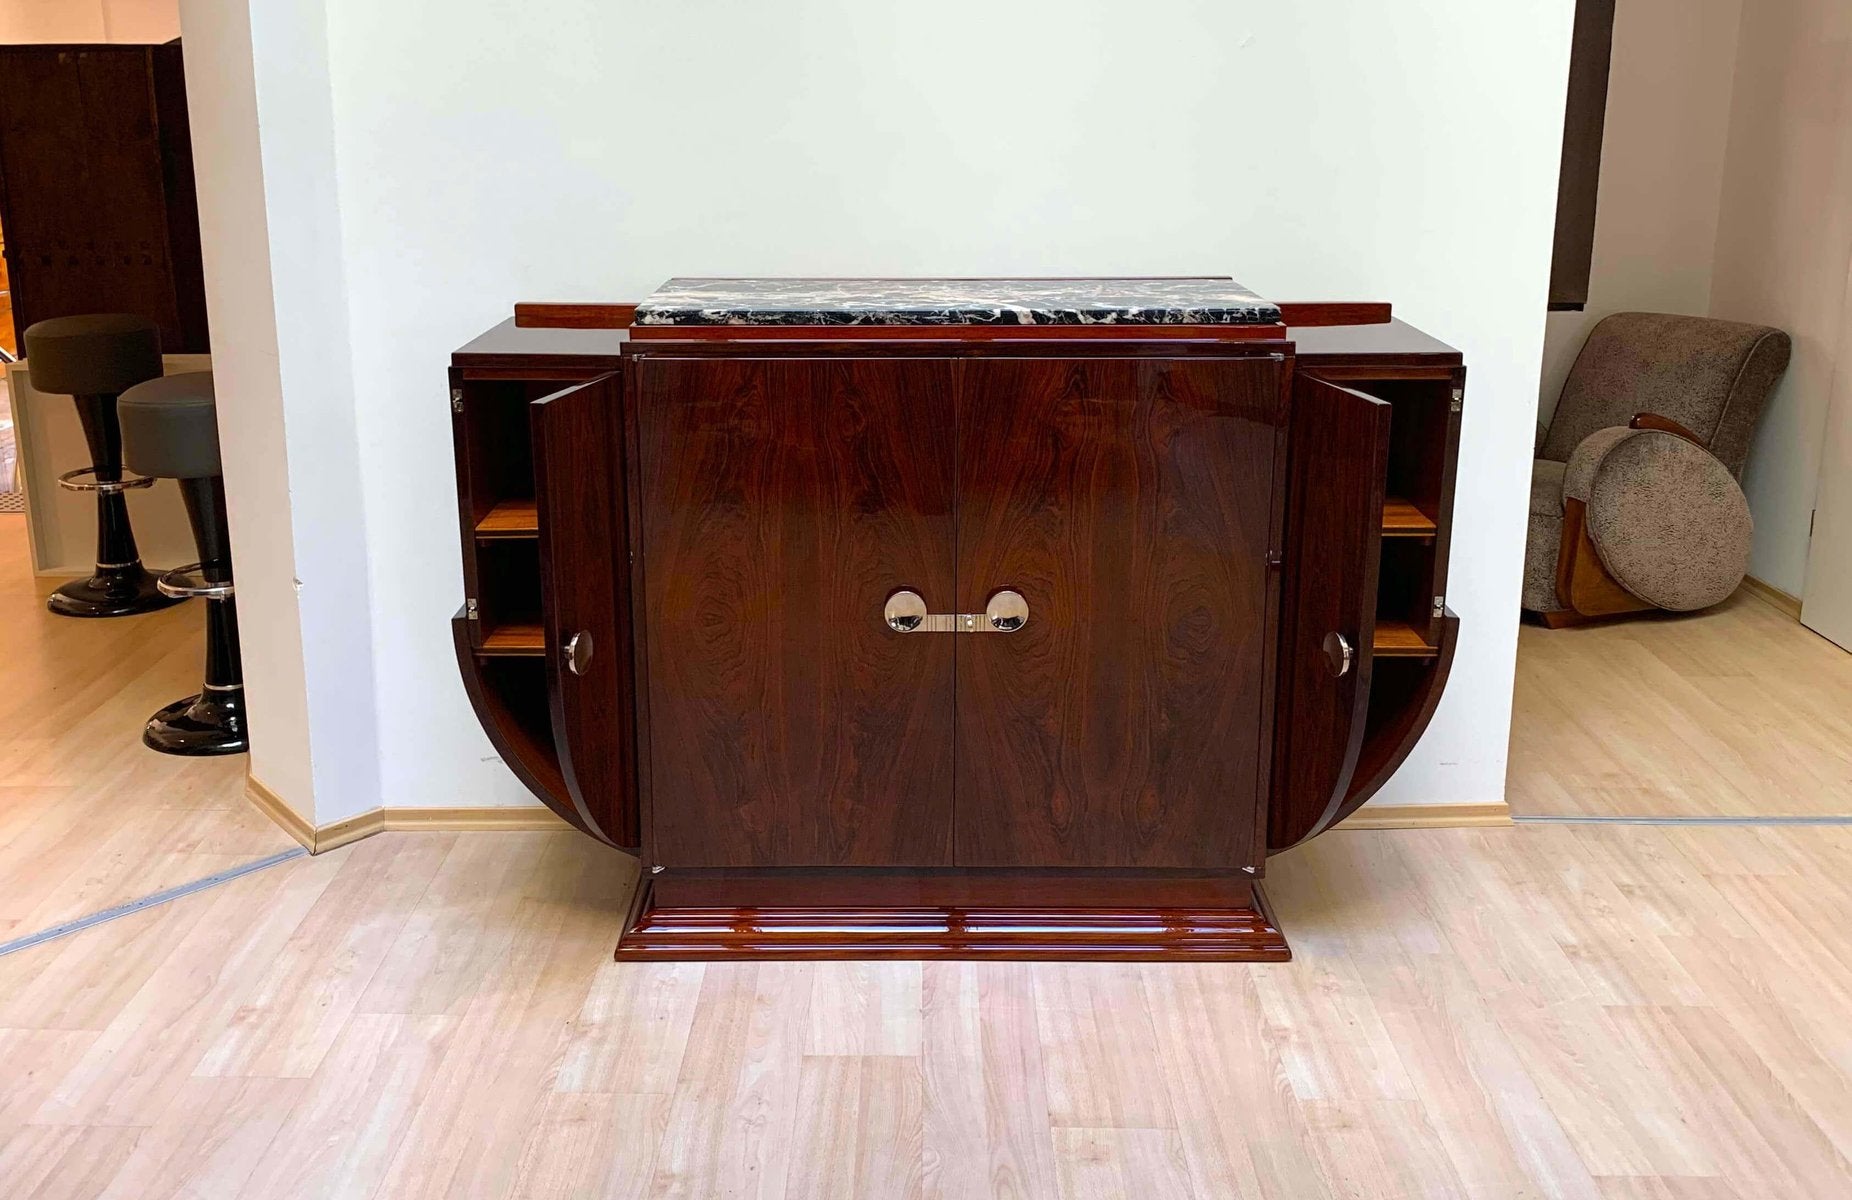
[185, 582]
[69, 482]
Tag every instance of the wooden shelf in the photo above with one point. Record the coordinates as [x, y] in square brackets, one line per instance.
[505, 640]
[1398, 639]
[512, 519]
[1402, 519]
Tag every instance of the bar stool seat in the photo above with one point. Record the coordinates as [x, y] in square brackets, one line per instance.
[170, 427]
[93, 359]
[170, 430]
[104, 354]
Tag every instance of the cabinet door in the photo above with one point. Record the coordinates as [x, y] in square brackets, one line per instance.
[584, 598]
[782, 502]
[1334, 519]
[1130, 502]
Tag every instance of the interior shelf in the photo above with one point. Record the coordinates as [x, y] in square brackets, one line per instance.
[521, 638]
[516, 518]
[1398, 639]
[1402, 518]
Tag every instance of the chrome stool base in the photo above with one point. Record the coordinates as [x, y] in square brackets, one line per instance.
[209, 723]
[114, 591]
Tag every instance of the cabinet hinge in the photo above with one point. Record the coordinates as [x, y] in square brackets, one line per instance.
[1459, 400]
[456, 400]
[1440, 606]
[469, 609]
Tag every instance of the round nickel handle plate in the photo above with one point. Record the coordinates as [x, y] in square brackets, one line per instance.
[905, 612]
[1007, 611]
[578, 652]
[1338, 654]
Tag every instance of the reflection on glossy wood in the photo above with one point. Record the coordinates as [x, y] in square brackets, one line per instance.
[954, 335]
[782, 502]
[1128, 501]
[1098, 933]
[954, 887]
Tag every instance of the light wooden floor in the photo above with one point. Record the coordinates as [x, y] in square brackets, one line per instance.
[1623, 1013]
[89, 818]
[1736, 711]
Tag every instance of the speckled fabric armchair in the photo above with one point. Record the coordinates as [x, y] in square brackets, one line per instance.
[1634, 499]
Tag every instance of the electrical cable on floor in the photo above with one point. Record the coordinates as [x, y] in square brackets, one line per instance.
[135, 906]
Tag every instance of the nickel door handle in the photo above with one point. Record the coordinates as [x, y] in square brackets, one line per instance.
[906, 613]
[1007, 611]
[578, 652]
[1338, 655]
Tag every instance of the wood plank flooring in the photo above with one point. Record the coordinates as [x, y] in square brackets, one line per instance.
[1596, 1012]
[89, 817]
[1735, 711]
[1539, 1011]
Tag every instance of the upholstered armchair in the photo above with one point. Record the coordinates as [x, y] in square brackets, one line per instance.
[1635, 502]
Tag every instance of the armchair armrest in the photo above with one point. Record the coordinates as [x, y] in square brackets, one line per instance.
[1654, 421]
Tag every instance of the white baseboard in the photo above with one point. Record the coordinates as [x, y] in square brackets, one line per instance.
[317, 838]
[1768, 593]
[1428, 816]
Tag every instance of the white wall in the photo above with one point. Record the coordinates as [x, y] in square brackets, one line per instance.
[591, 149]
[258, 98]
[1662, 156]
[1783, 243]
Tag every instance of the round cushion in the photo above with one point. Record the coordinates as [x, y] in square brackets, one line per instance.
[1669, 521]
[98, 355]
[170, 427]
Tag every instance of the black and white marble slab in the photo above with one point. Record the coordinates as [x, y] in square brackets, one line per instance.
[1181, 301]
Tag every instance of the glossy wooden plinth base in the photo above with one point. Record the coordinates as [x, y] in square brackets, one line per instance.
[1244, 934]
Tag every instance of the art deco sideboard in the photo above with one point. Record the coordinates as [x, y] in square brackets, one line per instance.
[1006, 618]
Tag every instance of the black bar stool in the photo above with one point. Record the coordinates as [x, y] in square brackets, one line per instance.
[170, 430]
[95, 359]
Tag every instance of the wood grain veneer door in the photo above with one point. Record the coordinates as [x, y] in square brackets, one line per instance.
[1130, 502]
[1334, 523]
[584, 585]
[782, 502]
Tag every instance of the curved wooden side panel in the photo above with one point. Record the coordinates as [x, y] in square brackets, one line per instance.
[519, 733]
[1400, 709]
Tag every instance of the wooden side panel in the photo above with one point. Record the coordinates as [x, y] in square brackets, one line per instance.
[509, 703]
[1340, 441]
[584, 585]
[781, 501]
[84, 178]
[1129, 501]
[1403, 697]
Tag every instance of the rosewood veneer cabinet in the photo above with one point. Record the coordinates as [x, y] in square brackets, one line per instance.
[954, 618]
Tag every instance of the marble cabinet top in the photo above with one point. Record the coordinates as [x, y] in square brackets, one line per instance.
[1180, 301]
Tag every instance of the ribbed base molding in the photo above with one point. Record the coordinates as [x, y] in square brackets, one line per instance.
[1048, 934]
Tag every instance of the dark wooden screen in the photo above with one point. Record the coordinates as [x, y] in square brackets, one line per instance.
[1583, 119]
[96, 187]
